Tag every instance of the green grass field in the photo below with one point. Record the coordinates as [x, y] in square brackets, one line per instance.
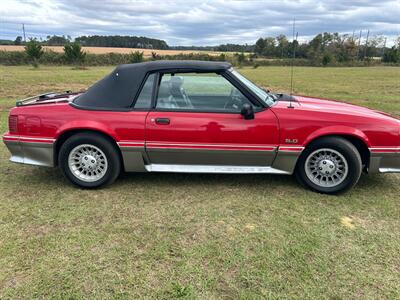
[199, 236]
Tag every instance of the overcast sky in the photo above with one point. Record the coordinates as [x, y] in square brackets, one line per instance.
[188, 22]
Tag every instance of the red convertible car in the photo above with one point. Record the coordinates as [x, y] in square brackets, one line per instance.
[200, 117]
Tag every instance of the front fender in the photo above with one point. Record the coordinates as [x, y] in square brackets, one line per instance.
[337, 130]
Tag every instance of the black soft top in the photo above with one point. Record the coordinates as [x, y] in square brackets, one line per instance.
[119, 89]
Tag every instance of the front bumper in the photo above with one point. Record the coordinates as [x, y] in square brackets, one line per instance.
[384, 160]
[30, 150]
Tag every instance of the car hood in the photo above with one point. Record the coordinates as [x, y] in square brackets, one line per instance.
[334, 106]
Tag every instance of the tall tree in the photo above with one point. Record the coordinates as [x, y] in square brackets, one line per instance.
[269, 47]
[18, 40]
[260, 46]
[282, 46]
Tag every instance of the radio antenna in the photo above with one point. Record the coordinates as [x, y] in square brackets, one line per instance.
[292, 61]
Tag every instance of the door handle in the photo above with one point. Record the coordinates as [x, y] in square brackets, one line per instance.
[162, 121]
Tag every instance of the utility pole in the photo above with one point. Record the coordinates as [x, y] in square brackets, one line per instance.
[366, 45]
[23, 30]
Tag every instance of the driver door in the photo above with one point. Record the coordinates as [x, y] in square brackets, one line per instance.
[197, 121]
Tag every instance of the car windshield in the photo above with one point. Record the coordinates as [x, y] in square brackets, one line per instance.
[263, 95]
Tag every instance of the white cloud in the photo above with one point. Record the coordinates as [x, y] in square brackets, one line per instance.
[191, 22]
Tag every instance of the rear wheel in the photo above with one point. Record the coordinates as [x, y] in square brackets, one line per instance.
[329, 165]
[89, 160]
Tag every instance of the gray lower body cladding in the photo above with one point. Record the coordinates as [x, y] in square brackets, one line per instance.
[31, 153]
[138, 159]
[384, 162]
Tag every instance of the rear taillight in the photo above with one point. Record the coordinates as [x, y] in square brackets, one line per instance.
[13, 124]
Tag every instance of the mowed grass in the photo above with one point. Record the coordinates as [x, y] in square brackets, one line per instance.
[374, 87]
[199, 236]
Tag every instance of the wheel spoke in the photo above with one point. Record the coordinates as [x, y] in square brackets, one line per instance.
[326, 167]
[87, 162]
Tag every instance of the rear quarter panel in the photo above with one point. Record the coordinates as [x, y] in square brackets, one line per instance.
[51, 121]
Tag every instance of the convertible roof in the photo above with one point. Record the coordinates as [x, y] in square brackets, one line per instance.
[194, 65]
[119, 89]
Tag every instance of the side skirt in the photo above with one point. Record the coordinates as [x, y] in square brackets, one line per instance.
[283, 160]
[213, 169]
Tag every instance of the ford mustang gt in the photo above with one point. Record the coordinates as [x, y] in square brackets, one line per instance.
[200, 117]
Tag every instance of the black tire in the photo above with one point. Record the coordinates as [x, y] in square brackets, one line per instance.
[348, 151]
[112, 159]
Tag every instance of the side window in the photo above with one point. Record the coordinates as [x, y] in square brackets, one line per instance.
[199, 92]
[144, 99]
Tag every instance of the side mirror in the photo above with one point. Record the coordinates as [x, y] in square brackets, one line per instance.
[247, 112]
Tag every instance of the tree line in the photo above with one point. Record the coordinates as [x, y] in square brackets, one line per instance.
[327, 48]
[219, 48]
[122, 41]
[103, 41]
[324, 49]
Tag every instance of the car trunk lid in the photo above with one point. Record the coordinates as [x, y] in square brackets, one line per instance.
[46, 98]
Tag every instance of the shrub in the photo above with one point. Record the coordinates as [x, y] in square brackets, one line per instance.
[111, 59]
[136, 57]
[222, 57]
[12, 58]
[327, 59]
[34, 51]
[74, 54]
[241, 58]
[51, 57]
[392, 55]
[107, 59]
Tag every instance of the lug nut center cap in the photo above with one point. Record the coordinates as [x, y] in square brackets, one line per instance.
[89, 162]
[326, 166]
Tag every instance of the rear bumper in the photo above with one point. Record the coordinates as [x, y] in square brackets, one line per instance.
[30, 150]
[384, 160]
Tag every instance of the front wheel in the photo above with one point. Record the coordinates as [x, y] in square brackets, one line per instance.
[329, 165]
[89, 160]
